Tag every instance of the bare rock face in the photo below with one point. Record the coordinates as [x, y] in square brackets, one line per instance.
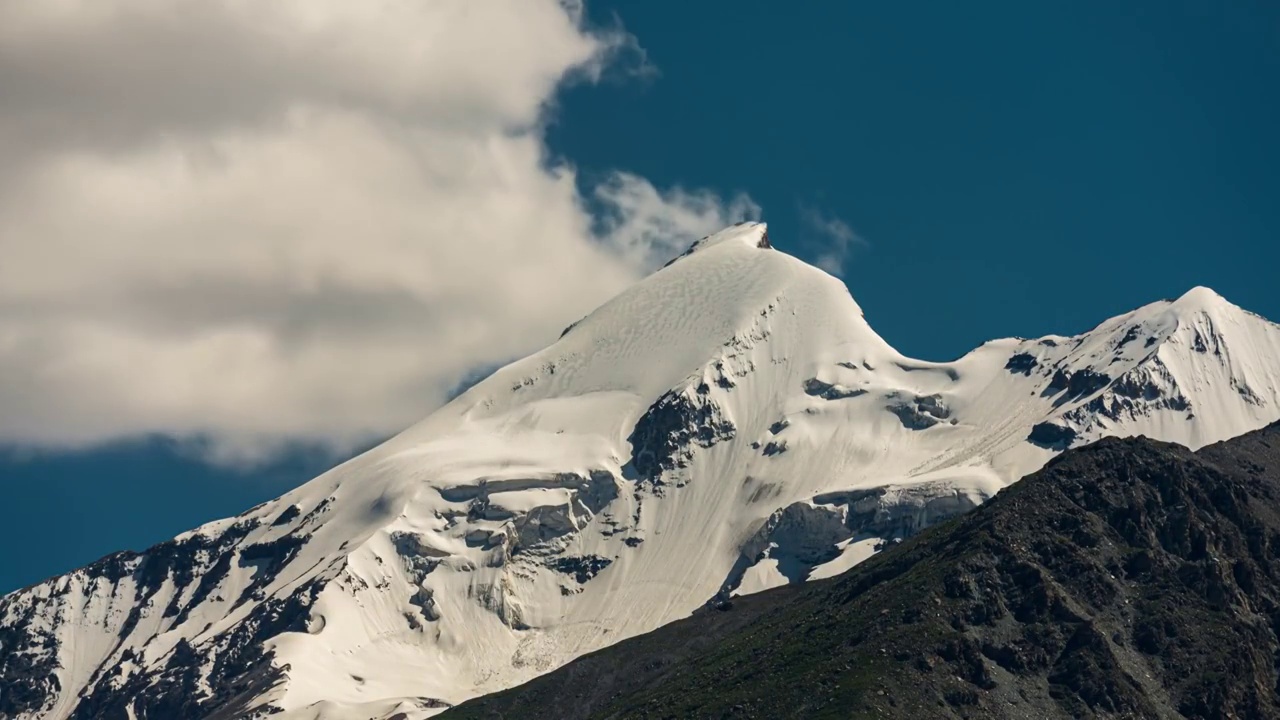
[919, 412]
[1022, 363]
[581, 568]
[1052, 435]
[664, 437]
[830, 391]
[1079, 383]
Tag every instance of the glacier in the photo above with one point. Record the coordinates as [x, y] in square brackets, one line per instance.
[729, 424]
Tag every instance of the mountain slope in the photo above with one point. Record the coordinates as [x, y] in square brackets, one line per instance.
[1129, 578]
[729, 424]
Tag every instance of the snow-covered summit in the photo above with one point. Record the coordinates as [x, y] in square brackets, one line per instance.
[755, 234]
[728, 424]
[1190, 370]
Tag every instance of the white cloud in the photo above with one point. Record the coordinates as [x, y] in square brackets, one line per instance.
[835, 236]
[646, 227]
[302, 219]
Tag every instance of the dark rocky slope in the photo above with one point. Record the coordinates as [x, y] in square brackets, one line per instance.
[1129, 578]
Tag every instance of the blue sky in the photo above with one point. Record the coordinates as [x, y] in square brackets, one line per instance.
[1083, 158]
[1008, 169]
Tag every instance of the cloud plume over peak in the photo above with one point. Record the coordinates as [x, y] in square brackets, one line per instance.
[837, 239]
[295, 220]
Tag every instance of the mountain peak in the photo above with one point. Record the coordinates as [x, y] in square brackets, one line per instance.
[727, 424]
[1201, 299]
[750, 233]
[1191, 370]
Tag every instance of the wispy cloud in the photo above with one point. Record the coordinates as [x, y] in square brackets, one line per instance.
[304, 219]
[836, 238]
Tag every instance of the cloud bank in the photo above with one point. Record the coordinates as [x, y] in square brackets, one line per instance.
[304, 219]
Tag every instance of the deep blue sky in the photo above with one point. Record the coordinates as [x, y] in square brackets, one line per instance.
[1015, 168]
[1018, 168]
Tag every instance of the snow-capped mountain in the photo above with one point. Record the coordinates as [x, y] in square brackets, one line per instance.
[729, 424]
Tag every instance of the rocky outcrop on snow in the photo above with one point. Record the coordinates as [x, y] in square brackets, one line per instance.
[665, 437]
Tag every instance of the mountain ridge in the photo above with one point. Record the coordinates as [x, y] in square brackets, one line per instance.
[729, 424]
